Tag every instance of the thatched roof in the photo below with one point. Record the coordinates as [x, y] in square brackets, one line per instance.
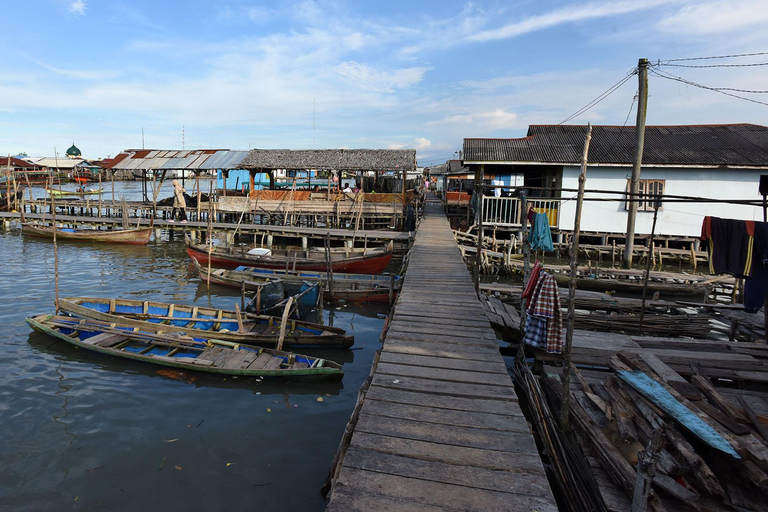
[331, 159]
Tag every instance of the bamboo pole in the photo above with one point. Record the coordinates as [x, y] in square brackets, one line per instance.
[564, 423]
[55, 253]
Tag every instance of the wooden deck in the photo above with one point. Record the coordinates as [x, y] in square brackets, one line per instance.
[440, 427]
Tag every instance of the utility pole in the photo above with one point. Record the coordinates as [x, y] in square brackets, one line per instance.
[642, 101]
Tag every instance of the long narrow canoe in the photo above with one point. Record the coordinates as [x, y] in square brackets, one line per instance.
[137, 236]
[207, 323]
[354, 261]
[72, 193]
[212, 356]
[348, 287]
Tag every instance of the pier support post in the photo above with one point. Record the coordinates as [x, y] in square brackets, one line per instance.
[269, 242]
[304, 243]
[158, 232]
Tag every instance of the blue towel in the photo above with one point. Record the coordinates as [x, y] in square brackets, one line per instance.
[540, 236]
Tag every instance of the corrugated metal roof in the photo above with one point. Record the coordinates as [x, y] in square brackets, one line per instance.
[332, 159]
[224, 160]
[735, 145]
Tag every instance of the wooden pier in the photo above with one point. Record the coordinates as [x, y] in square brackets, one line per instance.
[439, 426]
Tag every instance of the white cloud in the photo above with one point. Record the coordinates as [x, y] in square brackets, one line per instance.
[718, 17]
[369, 78]
[422, 143]
[78, 7]
[568, 14]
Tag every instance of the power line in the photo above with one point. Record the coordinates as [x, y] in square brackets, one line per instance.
[721, 90]
[601, 97]
[713, 65]
[719, 57]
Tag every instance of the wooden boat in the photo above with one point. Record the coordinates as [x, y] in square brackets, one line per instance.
[138, 236]
[212, 356]
[55, 192]
[354, 261]
[348, 287]
[205, 322]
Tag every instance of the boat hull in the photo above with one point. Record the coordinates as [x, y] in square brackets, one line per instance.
[186, 354]
[373, 263]
[137, 236]
[206, 323]
[347, 287]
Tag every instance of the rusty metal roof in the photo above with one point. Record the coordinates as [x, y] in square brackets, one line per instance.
[732, 145]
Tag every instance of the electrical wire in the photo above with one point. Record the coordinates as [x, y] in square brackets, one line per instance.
[713, 65]
[719, 57]
[721, 90]
[601, 97]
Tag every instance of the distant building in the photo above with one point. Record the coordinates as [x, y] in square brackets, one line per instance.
[73, 152]
[707, 161]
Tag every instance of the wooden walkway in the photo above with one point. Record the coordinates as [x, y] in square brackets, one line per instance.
[440, 427]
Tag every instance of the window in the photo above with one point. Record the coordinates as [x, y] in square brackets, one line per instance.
[648, 189]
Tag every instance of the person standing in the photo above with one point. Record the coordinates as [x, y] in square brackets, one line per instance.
[178, 202]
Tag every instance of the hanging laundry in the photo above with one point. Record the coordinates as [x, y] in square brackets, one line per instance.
[540, 235]
[730, 245]
[544, 311]
[533, 279]
[756, 286]
[739, 248]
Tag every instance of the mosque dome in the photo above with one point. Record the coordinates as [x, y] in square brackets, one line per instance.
[73, 152]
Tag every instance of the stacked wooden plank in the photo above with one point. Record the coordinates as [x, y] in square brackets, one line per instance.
[440, 426]
[712, 451]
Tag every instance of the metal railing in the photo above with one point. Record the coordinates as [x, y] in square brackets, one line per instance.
[506, 211]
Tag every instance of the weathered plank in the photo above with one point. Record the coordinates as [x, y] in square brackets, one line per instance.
[428, 414]
[495, 366]
[443, 374]
[498, 407]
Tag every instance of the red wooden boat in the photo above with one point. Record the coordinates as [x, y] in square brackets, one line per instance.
[352, 261]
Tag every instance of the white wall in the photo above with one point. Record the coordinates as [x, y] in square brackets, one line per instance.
[681, 219]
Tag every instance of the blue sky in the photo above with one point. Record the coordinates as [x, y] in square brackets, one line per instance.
[357, 74]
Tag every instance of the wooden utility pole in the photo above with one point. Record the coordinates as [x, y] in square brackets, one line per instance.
[478, 197]
[642, 74]
[564, 426]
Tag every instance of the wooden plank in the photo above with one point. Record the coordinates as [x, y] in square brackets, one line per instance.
[445, 434]
[428, 414]
[444, 374]
[498, 407]
[343, 499]
[439, 387]
[455, 497]
[236, 360]
[510, 481]
[495, 365]
[260, 361]
[396, 332]
[273, 363]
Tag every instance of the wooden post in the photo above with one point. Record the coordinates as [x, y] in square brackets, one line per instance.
[329, 264]
[242, 295]
[283, 321]
[646, 469]
[642, 74]
[239, 318]
[99, 194]
[478, 195]
[523, 204]
[656, 203]
[564, 423]
[55, 252]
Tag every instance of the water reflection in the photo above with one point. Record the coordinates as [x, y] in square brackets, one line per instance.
[65, 411]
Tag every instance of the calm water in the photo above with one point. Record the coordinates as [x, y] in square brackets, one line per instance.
[82, 431]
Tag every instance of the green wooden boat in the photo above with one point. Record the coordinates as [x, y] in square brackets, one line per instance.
[183, 352]
[207, 323]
